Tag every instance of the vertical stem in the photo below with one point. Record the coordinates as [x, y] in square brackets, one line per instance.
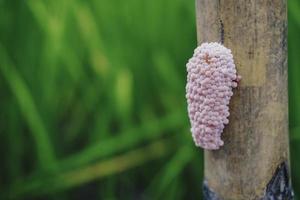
[256, 149]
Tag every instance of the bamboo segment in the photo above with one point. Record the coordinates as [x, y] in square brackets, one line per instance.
[256, 140]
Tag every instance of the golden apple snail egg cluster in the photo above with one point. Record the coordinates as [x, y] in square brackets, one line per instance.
[211, 77]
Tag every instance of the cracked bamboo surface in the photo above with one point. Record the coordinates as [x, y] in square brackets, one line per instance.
[256, 139]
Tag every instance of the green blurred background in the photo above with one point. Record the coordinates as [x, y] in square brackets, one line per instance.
[93, 99]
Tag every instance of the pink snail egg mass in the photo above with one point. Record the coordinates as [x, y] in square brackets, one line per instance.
[210, 80]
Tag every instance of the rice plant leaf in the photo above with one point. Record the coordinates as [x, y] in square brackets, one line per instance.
[171, 171]
[72, 178]
[148, 131]
[44, 150]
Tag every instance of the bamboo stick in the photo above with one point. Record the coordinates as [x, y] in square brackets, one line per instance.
[253, 163]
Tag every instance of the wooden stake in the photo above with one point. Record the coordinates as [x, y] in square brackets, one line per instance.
[253, 162]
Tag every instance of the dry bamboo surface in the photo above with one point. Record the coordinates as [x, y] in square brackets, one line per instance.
[256, 139]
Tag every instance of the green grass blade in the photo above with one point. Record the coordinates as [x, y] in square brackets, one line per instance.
[45, 152]
[146, 132]
[171, 171]
[54, 183]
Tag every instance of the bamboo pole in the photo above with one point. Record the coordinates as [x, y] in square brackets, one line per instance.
[253, 163]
